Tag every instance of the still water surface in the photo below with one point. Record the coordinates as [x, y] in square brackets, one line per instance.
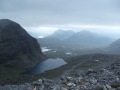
[48, 64]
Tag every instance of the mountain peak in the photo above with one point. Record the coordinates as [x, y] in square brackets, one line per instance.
[61, 34]
[59, 31]
[85, 31]
[7, 22]
[17, 47]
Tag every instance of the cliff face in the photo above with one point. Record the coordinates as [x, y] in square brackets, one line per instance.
[17, 47]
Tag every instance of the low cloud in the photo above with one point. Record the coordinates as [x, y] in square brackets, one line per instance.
[44, 16]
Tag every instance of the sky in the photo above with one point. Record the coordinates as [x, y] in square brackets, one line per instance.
[43, 17]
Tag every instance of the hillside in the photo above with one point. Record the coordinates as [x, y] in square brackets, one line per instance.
[87, 39]
[114, 47]
[17, 47]
[83, 39]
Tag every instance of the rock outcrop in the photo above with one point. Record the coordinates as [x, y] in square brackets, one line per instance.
[17, 47]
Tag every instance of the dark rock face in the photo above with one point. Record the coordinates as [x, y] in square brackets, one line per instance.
[17, 47]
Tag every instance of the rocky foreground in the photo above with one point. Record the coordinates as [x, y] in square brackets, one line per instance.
[104, 78]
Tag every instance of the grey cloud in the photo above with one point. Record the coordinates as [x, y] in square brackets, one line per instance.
[46, 12]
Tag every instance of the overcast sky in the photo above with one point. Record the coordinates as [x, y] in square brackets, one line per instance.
[46, 16]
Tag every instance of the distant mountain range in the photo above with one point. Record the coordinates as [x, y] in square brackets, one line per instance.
[68, 38]
[61, 34]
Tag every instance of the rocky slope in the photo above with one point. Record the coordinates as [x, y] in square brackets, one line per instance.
[17, 48]
[103, 78]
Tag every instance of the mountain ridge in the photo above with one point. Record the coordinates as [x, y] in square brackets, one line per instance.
[61, 34]
[82, 39]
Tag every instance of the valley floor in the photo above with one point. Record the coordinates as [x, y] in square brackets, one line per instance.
[85, 72]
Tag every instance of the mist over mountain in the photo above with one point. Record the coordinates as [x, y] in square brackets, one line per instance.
[82, 39]
[114, 48]
[61, 34]
[56, 38]
[87, 39]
